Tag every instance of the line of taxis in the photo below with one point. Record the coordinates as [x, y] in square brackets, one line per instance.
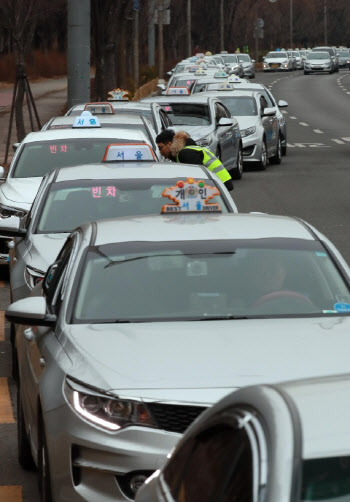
[140, 298]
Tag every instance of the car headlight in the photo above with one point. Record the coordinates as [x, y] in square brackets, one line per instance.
[32, 276]
[265, 65]
[205, 141]
[105, 411]
[7, 211]
[248, 132]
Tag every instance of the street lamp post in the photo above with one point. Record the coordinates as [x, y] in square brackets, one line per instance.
[325, 23]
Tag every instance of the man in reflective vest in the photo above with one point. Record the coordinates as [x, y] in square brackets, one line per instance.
[180, 147]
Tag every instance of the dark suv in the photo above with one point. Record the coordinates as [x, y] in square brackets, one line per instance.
[332, 53]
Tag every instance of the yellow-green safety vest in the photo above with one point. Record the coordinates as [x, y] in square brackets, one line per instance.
[211, 162]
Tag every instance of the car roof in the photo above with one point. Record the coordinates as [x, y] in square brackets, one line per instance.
[121, 170]
[199, 227]
[323, 405]
[108, 118]
[235, 92]
[87, 132]
[116, 105]
[193, 98]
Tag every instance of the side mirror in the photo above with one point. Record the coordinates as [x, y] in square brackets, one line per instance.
[169, 72]
[282, 104]
[224, 121]
[9, 227]
[253, 60]
[263, 58]
[2, 172]
[30, 311]
[161, 87]
[269, 112]
[15, 146]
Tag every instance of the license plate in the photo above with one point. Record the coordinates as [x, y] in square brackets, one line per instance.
[274, 65]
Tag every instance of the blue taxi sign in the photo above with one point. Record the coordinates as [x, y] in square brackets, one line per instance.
[191, 196]
[234, 79]
[99, 108]
[86, 120]
[192, 69]
[225, 86]
[220, 74]
[128, 151]
[201, 71]
[178, 91]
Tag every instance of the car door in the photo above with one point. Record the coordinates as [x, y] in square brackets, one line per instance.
[236, 135]
[270, 127]
[36, 346]
[226, 460]
[223, 135]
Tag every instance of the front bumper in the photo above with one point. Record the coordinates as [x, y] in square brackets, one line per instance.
[275, 67]
[317, 69]
[251, 148]
[88, 464]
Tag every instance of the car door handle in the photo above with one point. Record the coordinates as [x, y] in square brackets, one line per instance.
[28, 334]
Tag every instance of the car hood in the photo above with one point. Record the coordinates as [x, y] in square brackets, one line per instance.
[44, 249]
[245, 122]
[196, 132]
[275, 60]
[200, 362]
[20, 191]
[319, 61]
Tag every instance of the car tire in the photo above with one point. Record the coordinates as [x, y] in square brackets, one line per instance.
[262, 163]
[25, 457]
[284, 150]
[306, 72]
[277, 158]
[44, 468]
[237, 172]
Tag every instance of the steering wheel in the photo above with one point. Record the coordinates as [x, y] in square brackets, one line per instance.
[276, 295]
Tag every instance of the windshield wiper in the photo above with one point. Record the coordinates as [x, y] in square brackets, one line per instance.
[222, 318]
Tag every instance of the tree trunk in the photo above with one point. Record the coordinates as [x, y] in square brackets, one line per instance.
[20, 74]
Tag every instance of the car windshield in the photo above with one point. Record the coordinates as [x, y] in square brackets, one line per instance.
[261, 90]
[344, 54]
[230, 58]
[240, 106]
[72, 203]
[188, 82]
[326, 479]
[318, 55]
[296, 54]
[243, 58]
[194, 280]
[40, 157]
[277, 55]
[329, 51]
[188, 113]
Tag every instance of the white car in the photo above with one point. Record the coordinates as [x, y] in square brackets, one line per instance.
[41, 152]
[278, 61]
[258, 124]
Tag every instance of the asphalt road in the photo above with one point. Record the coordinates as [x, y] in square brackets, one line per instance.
[312, 183]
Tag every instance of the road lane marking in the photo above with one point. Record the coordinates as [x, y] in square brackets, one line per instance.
[6, 413]
[338, 141]
[293, 118]
[284, 111]
[2, 325]
[11, 493]
[348, 92]
[305, 145]
[318, 131]
[346, 139]
[304, 124]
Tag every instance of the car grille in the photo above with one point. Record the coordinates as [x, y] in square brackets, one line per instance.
[173, 417]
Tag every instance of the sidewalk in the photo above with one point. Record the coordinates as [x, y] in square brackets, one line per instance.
[50, 97]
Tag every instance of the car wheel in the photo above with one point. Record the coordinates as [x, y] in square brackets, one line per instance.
[277, 158]
[284, 150]
[262, 164]
[24, 452]
[44, 468]
[306, 72]
[236, 173]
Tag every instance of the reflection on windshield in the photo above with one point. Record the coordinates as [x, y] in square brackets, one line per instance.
[41, 157]
[70, 204]
[229, 59]
[199, 279]
[318, 55]
[188, 114]
[240, 107]
[326, 479]
[277, 55]
[244, 58]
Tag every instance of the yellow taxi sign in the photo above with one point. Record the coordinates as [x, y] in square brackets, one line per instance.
[191, 196]
[100, 107]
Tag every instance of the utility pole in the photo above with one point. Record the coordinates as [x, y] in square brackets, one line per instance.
[222, 44]
[136, 43]
[151, 32]
[189, 38]
[325, 23]
[78, 51]
[291, 24]
[160, 40]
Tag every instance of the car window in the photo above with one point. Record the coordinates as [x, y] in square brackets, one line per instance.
[40, 157]
[215, 465]
[263, 104]
[188, 113]
[224, 112]
[240, 106]
[326, 479]
[218, 112]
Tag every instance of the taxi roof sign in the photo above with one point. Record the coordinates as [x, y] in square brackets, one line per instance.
[201, 71]
[192, 69]
[225, 86]
[86, 120]
[178, 91]
[191, 196]
[234, 79]
[100, 107]
[118, 95]
[220, 74]
[120, 152]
